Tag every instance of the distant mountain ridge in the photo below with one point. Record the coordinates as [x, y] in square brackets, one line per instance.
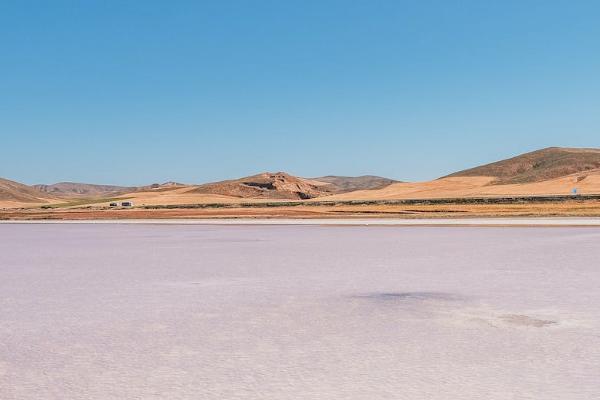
[342, 184]
[75, 189]
[537, 166]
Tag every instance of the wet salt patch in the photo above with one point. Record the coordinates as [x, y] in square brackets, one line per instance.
[486, 315]
[525, 320]
[455, 309]
[413, 305]
[500, 321]
[411, 296]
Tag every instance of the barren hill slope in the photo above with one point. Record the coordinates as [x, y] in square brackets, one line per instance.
[163, 186]
[11, 191]
[537, 166]
[279, 185]
[551, 171]
[74, 189]
[342, 184]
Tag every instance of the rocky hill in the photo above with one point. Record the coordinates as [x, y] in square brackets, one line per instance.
[268, 185]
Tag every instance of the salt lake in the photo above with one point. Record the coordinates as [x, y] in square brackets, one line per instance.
[143, 311]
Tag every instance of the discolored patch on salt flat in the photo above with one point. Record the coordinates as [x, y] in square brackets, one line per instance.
[411, 296]
[417, 305]
[233, 240]
[207, 283]
[525, 320]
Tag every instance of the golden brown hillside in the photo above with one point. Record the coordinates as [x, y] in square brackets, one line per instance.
[537, 166]
[14, 192]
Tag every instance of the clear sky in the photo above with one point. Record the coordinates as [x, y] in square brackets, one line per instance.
[134, 92]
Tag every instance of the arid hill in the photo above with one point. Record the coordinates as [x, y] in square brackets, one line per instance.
[268, 185]
[343, 184]
[160, 187]
[537, 166]
[551, 171]
[17, 192]
[73, 189]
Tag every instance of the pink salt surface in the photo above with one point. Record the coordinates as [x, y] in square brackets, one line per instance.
[119, 311]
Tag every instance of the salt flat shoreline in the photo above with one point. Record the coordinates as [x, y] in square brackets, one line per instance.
[461, 222]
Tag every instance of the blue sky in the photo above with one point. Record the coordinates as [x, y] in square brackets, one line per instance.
[131, 92]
